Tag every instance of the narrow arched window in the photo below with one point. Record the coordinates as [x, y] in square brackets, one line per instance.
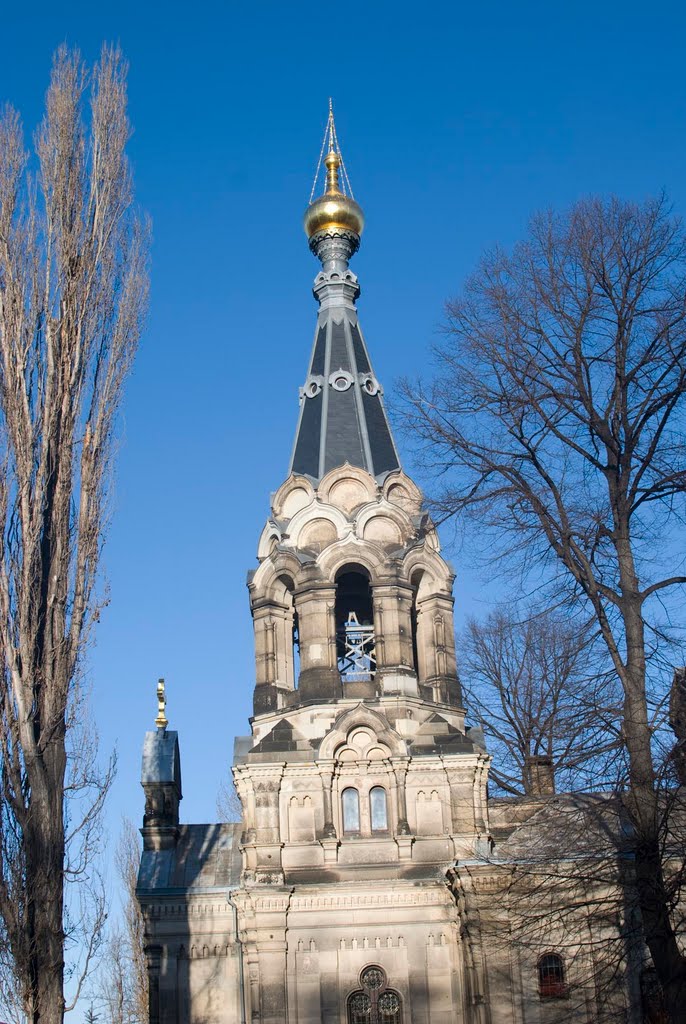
[351, 810]
[378, 810]
[551, 977]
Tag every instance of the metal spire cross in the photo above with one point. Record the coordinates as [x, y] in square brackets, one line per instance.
[331, 137]
[161, 721]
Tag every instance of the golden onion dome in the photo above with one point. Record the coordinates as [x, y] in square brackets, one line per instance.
[333, 209]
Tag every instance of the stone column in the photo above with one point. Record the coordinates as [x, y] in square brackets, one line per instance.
[319, 677]
[436, 648]
[393, 633]
[326, 774]
[400, 773]
[153, 961]
[266, 690]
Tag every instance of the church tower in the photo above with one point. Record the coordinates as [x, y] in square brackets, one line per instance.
[360, 785]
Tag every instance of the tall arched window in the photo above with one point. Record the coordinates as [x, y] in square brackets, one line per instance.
[350, 802]
[551, 977]
[374, 1002]
[378, 811]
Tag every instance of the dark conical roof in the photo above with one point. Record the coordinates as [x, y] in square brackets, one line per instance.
[342, 417]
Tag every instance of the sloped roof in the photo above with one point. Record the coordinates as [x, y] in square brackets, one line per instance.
[204, 857]
[342, 416]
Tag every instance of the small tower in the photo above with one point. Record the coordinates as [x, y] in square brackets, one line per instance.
[352, 597]
[161, 781]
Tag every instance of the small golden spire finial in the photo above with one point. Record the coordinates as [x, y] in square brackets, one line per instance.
[161, 721]
[331, 127]
[332, 161]
[336, 208]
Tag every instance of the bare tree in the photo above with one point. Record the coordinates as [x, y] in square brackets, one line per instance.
[677, 721]
[557, 413]
[228, 802]
[532, 683]
[123, 988]
[128, 864]
[559, 881]
[73, 287]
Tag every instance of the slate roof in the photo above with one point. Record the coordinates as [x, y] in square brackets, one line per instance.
[342, 416]
[161, 760]
[205, 857]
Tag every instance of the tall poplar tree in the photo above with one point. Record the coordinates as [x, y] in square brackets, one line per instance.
[73, 288]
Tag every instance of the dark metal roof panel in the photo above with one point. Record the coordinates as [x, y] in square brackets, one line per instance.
[340, 421]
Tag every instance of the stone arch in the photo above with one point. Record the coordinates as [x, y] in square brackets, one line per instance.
[383, 530]
[347, 488]
[265, 582]
[294, 494]
[316, 512]
[353, 552]
[317, 534]
[276, 630]
[360, 716]
[271, 534]
[401, 491]
[385, 511]
[422, 559]
[300, 819]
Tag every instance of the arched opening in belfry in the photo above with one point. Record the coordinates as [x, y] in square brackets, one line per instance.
[419, 638]
[296, 650]
[354, 613]
[291, 636]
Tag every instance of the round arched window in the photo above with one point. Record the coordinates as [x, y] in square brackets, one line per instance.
[350, 802]
[551, 977]
[377, 809]
[374, 1003]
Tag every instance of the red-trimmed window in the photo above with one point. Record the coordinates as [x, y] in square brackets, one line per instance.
[551, 977]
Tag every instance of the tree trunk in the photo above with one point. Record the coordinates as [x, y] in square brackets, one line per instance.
[643, 805]
[45, 846]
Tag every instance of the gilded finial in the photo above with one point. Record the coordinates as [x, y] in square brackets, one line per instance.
[161, 721]
[336, 208]
[331, 127]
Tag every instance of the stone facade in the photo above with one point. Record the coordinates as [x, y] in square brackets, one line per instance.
[369, 881]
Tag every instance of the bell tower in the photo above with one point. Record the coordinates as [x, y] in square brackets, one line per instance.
[360, 785]
[352, 597]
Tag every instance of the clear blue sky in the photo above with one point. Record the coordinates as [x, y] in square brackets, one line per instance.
[457, 121]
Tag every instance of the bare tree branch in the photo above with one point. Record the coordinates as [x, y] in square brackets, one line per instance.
[556, 419]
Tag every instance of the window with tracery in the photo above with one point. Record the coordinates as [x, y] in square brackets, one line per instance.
[551, 977]
[374, 1003]
[350, 801]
